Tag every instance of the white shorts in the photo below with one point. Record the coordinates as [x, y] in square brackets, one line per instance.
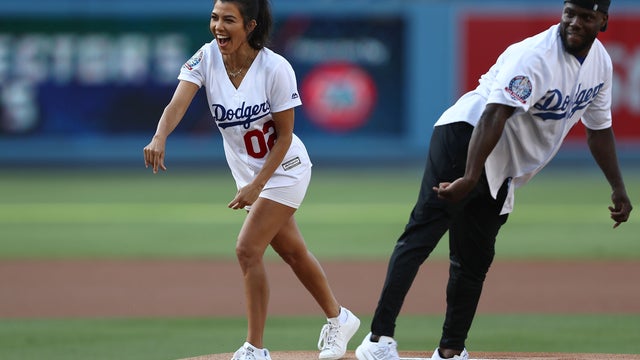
[291, 196]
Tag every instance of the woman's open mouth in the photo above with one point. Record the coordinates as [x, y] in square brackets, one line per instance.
[223, 40]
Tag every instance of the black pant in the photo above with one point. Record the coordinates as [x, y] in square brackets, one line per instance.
[472, 224]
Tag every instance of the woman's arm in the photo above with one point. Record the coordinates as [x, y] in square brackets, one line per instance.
[171, 116]
[284, 131]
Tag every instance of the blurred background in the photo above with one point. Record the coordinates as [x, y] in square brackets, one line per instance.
[84, 227]
[85, 81]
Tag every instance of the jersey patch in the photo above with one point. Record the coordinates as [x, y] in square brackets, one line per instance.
[194, 61]
[519, 88]
[291, 163]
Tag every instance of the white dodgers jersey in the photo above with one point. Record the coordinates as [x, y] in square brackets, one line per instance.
[551, 91]
[243, 115]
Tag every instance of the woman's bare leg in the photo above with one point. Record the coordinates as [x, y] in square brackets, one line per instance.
[265, 219]
[290, 245]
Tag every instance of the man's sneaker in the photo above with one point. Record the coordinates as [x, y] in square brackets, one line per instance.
[384, 349]
[464, 355]
[250, 352]
[334, 336]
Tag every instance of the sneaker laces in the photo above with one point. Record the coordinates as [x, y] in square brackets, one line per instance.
[328, 336]
[238, 354]
[244, 354]
[249, 355]
[383, 350]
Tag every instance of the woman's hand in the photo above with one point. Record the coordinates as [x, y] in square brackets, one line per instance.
[154, 154]
[245, 196]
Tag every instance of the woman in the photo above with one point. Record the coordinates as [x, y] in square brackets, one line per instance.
[252, 92]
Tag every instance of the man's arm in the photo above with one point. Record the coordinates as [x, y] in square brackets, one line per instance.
[603, 149]
[484, 138]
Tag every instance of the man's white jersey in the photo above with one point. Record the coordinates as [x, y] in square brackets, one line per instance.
[243, 115]
[551, 91]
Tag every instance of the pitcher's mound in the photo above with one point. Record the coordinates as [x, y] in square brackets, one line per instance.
[407, 355]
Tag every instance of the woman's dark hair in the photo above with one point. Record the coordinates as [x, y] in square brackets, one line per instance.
[260, 11]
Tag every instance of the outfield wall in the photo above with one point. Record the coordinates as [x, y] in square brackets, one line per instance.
[85, 81]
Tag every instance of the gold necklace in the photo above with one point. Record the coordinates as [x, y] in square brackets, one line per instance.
[233, 74]
[236, 73]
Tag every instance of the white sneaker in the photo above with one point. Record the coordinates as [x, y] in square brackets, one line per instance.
[250, 352]
[464, 355]
[334, 336]
[384, 349]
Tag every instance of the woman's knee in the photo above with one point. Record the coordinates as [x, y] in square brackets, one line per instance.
[246, 253]
[292, 256]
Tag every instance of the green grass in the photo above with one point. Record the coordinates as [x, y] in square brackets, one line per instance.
[131, 214]
[157, 339]
[347, 213]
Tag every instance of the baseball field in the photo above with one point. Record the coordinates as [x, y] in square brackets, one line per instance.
[121, 264]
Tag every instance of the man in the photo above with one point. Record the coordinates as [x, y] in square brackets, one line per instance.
[491, 141]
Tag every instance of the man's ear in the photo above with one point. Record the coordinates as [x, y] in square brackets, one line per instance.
[606, 22]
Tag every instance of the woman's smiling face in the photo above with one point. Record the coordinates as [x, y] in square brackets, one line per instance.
[228, 27]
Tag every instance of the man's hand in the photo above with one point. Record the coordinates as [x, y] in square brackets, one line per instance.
[454, 191]
[621, 207]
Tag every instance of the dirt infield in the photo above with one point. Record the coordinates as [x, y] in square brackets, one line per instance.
[299, 355]
[90, 288]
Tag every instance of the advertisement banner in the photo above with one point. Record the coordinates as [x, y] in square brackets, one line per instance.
[72, 77]
[114, 76]
[485, 36]
[350, 72]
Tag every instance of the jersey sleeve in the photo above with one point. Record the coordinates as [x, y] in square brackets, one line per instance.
[283, 90]
[193, 69]
[598, 114]
[520, 79]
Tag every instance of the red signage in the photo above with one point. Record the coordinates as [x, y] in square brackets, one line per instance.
[339, 96]
[485, 36]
